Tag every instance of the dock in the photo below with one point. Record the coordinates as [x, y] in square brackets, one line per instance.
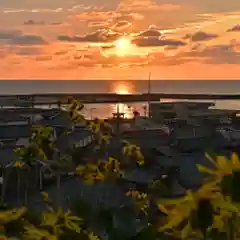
[30, 100]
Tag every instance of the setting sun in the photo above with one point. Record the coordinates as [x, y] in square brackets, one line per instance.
[122, 87]
[123, 46]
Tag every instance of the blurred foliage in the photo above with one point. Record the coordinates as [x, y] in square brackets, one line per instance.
[211, 212]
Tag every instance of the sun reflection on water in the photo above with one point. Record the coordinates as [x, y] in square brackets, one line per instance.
[123, 87]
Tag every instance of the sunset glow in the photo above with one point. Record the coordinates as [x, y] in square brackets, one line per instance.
[122, 87]
[121, 39]
[122, 90]
[123, 46]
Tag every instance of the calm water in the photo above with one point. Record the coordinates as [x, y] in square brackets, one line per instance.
[122, 86]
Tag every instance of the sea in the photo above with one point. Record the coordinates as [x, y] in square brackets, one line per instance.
[124, 87]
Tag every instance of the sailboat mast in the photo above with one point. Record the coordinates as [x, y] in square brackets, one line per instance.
[149, 95]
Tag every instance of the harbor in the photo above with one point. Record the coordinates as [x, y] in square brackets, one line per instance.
[31, 100]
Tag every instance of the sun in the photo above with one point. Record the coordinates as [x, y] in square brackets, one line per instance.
[122, 87]
[123, 46]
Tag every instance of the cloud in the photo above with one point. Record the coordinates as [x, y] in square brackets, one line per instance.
[149, 33]
[96, 58]
[27, 40]
[217, 54]
[33, 10]
[121, 25]
[146, 5]
[57, 23]
[16, 37]
[235, 28]
[156, 42]
[153, 37]
[32, 22]
[201, 36]
[98, 36]
[99, 24]
[131, 16]
[96, 15]
[106, 18]
[43, 58]
[25, 51]
[61, 52]
[9, 34]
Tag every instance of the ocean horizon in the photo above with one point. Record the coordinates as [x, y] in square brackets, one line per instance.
[130, 86]
[123, 86]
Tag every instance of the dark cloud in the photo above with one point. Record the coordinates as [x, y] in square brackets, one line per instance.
[26, 51]
[149, 33]
[201, 36]
[9, 34]
[32, 22]
[98, 36]
[217, 54]
[155, 41]
[171, 47]
[235, 28]
[56, 23]
[108, 46]
[16, 37]
[27, 40]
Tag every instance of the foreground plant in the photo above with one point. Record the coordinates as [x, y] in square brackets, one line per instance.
[53, 225]
[213, 207]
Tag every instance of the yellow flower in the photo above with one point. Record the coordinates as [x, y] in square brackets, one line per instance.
[141, 199]
[18, 164]
[133, 151]
[95, 127]
[92, 236]
[180, 209]
[45, 196]
[90, 173]
[223, 166]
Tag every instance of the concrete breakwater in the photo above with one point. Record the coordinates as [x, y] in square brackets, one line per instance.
[62, 98]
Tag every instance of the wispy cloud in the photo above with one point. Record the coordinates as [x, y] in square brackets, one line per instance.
[35, 10]
[33, 22]
[200, 36]
[235, 28]
[96, 37]
[154, 42]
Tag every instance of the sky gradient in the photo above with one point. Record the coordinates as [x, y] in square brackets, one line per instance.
[119, 39]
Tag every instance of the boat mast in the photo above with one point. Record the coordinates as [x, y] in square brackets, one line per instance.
[149, 95]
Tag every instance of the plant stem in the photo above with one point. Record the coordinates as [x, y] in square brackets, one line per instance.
[26, 188]
[18, 186]
[3, 187]
[58, 190]
[231, 235]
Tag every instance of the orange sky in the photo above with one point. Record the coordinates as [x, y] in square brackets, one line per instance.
[119, 39]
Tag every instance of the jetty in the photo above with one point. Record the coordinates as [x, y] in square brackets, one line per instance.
[31, 100]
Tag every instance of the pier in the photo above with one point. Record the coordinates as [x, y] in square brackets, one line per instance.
[31, 100]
